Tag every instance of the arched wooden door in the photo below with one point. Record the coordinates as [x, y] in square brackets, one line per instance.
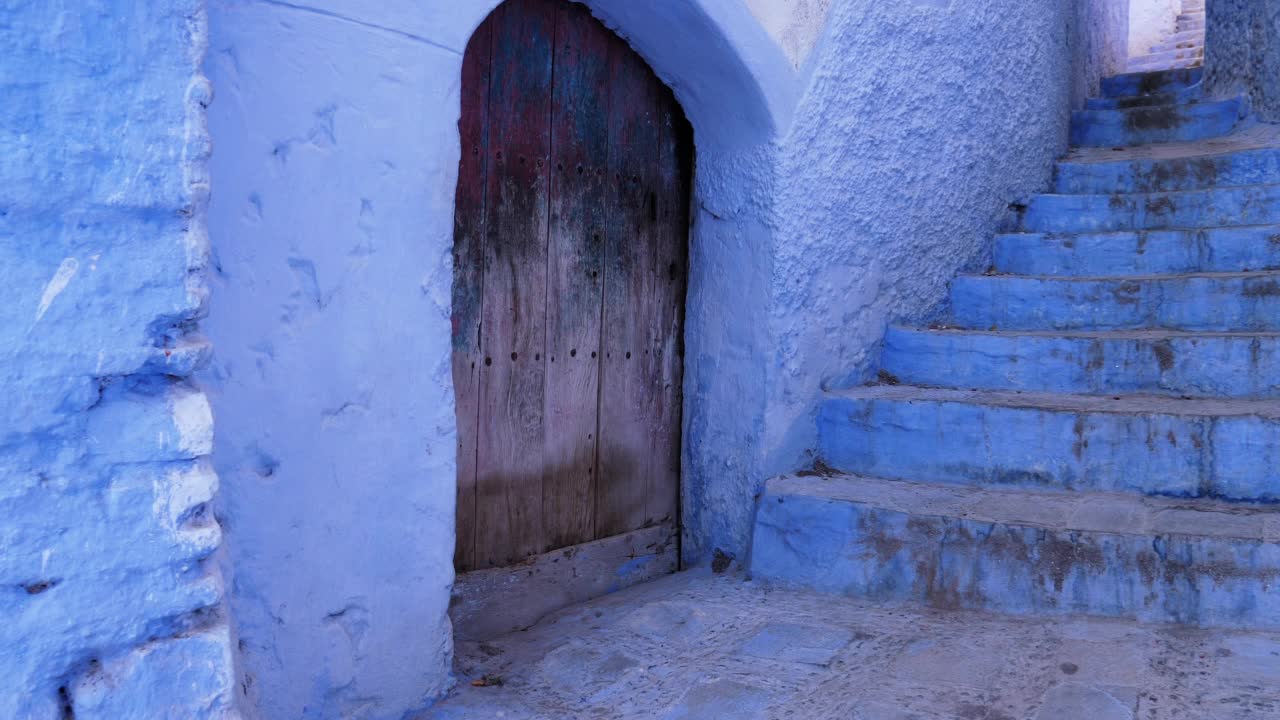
[571, 233]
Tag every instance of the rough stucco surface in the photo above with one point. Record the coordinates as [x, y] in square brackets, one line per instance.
[1242, 52]
[1100, 37]
[902, 162]
[796, 25]
[1149, 22]
[105, 589]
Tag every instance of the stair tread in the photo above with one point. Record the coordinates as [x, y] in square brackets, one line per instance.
[1130, 278]
[1134, 233]
[1066, 402]
[1256, 137]
[1151, 334]
[1092, 511]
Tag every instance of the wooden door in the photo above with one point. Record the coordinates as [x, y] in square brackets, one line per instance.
[570, 256]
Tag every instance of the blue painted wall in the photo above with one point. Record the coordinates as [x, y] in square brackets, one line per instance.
[330, 379]
[110, 607]
[1242, 52]
[335, 160]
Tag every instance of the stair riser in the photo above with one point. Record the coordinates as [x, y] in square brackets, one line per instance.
[1158, 124]
[879, 554]
[1191, 47]
[1250, 167]
[1195, 92]
[1151, 66]
[1175, 367]
[1225, 207]
[1154, 252]
[1182, 38]
[1235, 458]
[1147, 83]
[1179, 51]
[1215, 304]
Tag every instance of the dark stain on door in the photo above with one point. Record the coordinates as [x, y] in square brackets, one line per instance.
[570, 266]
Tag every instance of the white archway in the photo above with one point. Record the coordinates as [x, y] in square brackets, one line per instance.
[334, 170]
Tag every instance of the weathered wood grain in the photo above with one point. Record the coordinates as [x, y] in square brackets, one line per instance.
[670, 284]
[468, 277]
[493, 602]
[570, 257]
[513, 333]
[580, 154]
[626, 420]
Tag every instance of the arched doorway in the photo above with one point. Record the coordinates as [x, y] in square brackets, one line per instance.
[570, 267]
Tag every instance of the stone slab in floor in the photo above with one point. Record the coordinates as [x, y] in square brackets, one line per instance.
[717, 647]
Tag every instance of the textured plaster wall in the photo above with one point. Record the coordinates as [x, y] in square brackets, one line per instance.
[1100, 39]
[331, 219]
[1150, 21]
[110, 603]
[1242, 52]
[902, 162]
[332, 223]
[796, 25]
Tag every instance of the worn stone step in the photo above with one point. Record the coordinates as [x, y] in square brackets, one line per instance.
[1171, 45]
[1213, 207]
[1183, 96]
[1180, 51]
[1150, 65]
[1153, 62]
[1148, 252]
[1146, 83]
[1187, 22]
[1213, 302]
[1157, 124]
[1183, 36]
[1148, 445]
[1159, 362]
[1020, 552]
[1248, 165]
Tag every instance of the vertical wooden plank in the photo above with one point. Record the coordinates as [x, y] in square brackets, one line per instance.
[671, 251]
[468, 264]
[629, 365]
[510, 453]
[579, 156]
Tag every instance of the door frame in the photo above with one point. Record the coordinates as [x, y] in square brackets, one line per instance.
[719, 58]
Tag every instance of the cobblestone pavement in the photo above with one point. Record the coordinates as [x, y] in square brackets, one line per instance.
[697, 645]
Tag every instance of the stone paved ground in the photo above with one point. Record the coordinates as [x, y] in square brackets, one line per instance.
[696, 645]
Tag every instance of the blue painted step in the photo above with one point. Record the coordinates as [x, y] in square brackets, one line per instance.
[1247, 166]
[1227, 449]
[1223, 302]
[1028, 464]
[1148, 252]
[1219, 206]
[1157, 124]
[1020, 552]
[1130, 84]
[1147, 362]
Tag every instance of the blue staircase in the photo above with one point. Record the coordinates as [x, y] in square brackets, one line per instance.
[1096, 427]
